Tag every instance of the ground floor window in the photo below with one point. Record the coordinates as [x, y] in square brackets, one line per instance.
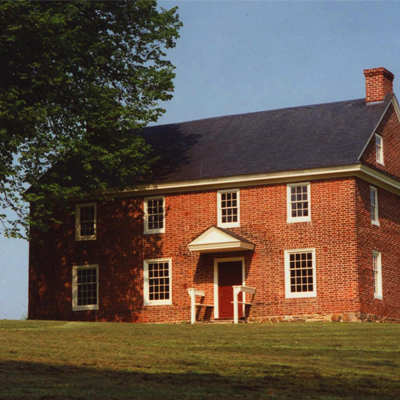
[157, 282]
[85, 287]
[300, 275]
[377, 274]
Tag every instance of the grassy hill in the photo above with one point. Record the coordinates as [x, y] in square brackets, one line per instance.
[73, 360]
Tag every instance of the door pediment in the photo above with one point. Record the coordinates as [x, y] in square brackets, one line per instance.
[217, 239]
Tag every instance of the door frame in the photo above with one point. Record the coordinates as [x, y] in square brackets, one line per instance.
[216, 262]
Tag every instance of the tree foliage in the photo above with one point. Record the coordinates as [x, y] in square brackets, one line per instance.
[77, 81]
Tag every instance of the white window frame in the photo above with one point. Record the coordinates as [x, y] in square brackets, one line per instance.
[288, 293]
[146, 300]
[78, 236]
[377, 274]
[379, 154]
[291, 219]
[219, 208]
[75, 306]
[375, 215]
[148, 231]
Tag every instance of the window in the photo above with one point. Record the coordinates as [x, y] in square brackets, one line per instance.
[379, 148]
[85, 221]
[157, 282]
[300, 277]
[377, 274]
[85, 287]
[228, 208]
[299, 202]
[374, 205]
[154, 215]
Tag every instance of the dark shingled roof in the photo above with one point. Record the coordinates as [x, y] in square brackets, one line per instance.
[323, 135]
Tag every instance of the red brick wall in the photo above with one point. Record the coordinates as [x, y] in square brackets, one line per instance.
[389, 129]
[121, 247]
[384, 238]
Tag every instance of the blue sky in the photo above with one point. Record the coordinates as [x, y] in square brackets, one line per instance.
[242, 56]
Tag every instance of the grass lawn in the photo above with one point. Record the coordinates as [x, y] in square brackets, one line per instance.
[73, 360]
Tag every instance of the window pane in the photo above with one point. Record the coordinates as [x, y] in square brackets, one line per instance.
[229, 207]
[301, 272]
[299, 204]
[159, 281]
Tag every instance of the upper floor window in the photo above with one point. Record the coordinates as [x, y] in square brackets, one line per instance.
[379, 148]
[298, 202]
[157, 282]
[154, 214]
[300, 276]
[85, 287]
[374, 205]
[377, 274]
[228, 208]
[85, 221]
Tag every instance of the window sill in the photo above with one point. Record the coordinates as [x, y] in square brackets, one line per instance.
[153, 231]
[375, 223]
[85, 308]
[300, 295]
[234, 225]
[293, 221]
[159, 303]
[378, 297]
[84, 238]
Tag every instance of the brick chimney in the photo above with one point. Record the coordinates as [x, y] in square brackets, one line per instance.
[378, 83]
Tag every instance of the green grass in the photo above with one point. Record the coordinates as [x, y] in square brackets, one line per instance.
[72, 360]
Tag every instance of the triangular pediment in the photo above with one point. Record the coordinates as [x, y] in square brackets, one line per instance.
[217, 239]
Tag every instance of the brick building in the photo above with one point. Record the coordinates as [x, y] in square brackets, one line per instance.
[276, 215]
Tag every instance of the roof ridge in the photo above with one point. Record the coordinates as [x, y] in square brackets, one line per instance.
[257, 112]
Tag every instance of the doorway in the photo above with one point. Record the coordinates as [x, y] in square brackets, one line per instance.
[227, 273]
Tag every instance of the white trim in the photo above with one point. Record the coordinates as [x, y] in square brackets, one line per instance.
[146, 301]
[376, 127]
[288, 293]
[242, 180]
[216, 261]
[78, 236]
[219, 210]
[291, 219]
[381, 159]
[352, 170]
[375, 219]
[75, 306]
[378, 294]
[146, 229]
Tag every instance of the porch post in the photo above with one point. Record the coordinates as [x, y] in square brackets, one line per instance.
[192, 294]
[236, 291]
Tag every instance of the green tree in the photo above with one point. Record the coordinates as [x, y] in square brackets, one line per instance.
[78, 80]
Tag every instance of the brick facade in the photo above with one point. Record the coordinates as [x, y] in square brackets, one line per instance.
[342, 245]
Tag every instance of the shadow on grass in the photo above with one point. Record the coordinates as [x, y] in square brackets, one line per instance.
[26, 380]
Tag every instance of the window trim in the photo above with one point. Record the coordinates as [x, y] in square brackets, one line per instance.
[146, 301]
[291, 219]
[146, 229]
[288, 293]
[219, 209]
[378, 294]
[379, 160]
[78, 236]
[75, 306]
[375, 218]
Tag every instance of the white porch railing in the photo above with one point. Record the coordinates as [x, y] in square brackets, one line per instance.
[193, 293]
[236, 302]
